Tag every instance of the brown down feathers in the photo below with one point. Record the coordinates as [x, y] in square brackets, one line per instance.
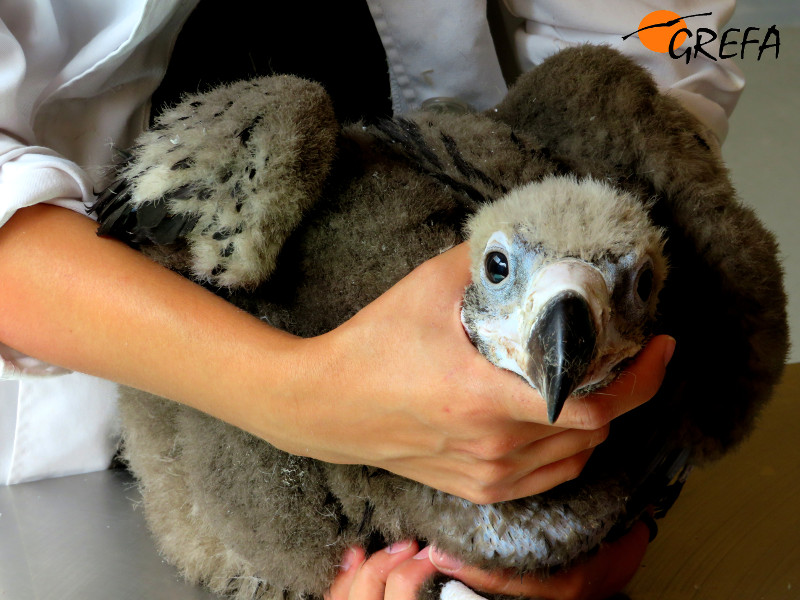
[350, 210]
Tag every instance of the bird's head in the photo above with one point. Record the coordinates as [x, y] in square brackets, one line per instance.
[565, 281]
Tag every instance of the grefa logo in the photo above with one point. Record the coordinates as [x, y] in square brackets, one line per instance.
[665, 31]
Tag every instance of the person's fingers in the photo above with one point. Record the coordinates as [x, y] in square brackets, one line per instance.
[554, 460]
[634, 386]
[369, 581]
[548, 476]
[558, 446]
[539, 466]
[405, 580]
[391, 575]
[600, 576]
[351, 561]
[532, 469]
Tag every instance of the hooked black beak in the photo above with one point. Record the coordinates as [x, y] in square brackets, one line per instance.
[561, 347]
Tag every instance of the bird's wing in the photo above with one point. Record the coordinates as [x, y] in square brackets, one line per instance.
[222, 179]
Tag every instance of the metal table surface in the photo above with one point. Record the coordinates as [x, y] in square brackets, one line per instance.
[734, 533]
[82, 538]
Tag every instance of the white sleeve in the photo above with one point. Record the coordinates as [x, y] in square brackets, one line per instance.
[438, 49]
[75, 78]
[707, 88]
[29, 175]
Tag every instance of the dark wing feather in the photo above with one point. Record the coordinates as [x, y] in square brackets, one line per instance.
[222, 179]
[148, 223]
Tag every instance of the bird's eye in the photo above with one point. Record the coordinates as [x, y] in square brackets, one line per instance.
[496, 267]
[644, 283]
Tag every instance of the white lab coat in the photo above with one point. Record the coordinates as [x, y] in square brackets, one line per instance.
[76, 77]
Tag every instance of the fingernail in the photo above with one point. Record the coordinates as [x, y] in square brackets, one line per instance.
[423, 554]
[398, 547]
[347, 560]
[444, 562]
[669, 349]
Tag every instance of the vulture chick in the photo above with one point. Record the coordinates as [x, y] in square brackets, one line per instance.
[597, 216]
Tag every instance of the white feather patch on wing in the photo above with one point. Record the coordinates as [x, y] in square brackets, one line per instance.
[455, 590]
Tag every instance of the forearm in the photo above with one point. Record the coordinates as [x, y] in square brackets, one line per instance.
[94, 305]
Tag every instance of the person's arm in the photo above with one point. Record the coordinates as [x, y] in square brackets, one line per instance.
[399, 386]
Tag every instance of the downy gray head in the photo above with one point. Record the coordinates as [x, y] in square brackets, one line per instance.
[565, 279]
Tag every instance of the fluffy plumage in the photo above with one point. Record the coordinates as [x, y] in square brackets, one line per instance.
[256, 191]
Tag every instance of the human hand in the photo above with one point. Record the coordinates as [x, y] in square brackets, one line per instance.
[399, 386]
[398, 572]
[602, 575]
